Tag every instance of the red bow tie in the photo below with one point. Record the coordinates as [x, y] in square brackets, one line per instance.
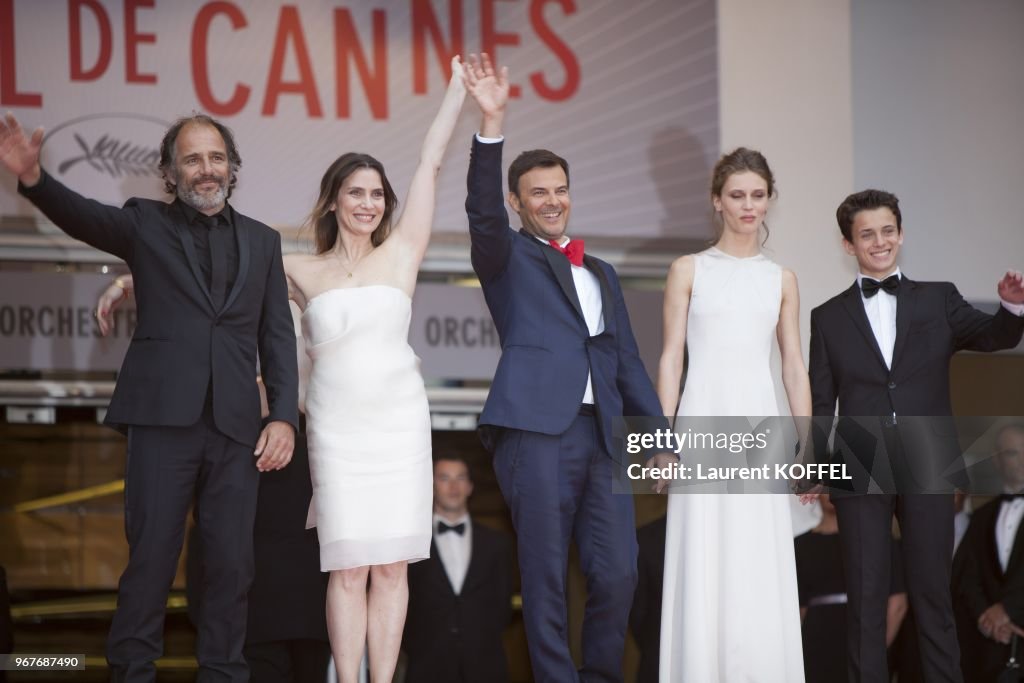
[573, 251]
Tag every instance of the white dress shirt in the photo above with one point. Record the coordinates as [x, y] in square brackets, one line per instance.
[881, 311]
[1010, 514]
[588, 289]
[454, 550]
[961, 521]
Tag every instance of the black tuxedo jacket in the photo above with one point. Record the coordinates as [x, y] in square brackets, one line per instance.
[979, 584]
[932, 323]
[181, 343]
[451, 637]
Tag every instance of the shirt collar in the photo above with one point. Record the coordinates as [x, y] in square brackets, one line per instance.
[561, 244]
[861, 276]
[464, 519]
[225, 215]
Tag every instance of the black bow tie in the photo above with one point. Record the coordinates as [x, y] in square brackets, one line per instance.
[1010, 497]
[870, 287]
[459, 528]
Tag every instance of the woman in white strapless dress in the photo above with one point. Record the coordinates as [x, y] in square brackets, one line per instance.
[730, 610]
[367, 419]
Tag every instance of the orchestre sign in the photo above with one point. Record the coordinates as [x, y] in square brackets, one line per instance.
[46, 324]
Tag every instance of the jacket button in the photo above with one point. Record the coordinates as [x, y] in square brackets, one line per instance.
[892, 385]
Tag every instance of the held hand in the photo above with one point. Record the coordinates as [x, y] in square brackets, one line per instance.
[992, 619]
[1004, 633]
[660, 461]
[811, 495]
[19, 153]
[1011, 287]
[488, 88]
[275, 445]
[112, 297]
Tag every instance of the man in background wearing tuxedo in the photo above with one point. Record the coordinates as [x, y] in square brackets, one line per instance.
[989, 593]
[460, 598]
[882, 348]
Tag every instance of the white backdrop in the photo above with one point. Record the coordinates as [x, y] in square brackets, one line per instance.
[628, 93]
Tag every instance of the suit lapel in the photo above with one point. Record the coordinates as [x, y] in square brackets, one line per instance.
[563, 273]
[905, 300]
[607, 304]
[1016, 550]
[474, 568]
[242, 240]
[991, 548]
[441, 578]
[855, 307]
[190, 252]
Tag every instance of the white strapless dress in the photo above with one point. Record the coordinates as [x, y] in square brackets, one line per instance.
[368, 429]
[730, 609]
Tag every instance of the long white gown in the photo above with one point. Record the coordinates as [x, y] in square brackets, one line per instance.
[368, 429]
[730, 610]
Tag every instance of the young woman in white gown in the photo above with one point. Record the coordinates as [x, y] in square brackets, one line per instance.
[368, 423]
[730, 610]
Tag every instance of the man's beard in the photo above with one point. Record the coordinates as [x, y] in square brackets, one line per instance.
[204, 202]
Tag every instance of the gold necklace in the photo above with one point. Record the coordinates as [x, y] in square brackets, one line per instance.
[354, 265]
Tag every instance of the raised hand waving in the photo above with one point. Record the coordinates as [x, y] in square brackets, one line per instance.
[20, 153]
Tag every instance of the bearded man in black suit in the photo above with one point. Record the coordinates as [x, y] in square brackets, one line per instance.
[211, 294]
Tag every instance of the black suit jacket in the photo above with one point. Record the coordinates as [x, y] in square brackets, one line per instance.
[932, 323]
[181, 341]
[980, 583]
[448, 635]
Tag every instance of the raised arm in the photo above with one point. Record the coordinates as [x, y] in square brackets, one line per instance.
[485, 205]
[977, 331]
[19, 153]
[674, 312]
[490, 90]
[96, 224]
[413, 228]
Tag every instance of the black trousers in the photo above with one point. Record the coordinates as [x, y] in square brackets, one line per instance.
[166, 467]
[926, 529]
[288, 661]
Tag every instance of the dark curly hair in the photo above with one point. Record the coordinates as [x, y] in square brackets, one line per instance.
[866, 200]
[171, 138]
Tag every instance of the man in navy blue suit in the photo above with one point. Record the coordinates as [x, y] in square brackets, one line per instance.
[569, 366]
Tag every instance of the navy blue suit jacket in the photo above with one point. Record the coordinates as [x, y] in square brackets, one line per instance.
[546, 346]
